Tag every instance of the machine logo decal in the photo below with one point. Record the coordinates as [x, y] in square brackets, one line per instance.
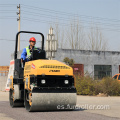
[54, 66]
[54, 70]
[33, 66]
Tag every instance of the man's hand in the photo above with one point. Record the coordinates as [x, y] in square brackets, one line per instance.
[38, 50]
[22, 60]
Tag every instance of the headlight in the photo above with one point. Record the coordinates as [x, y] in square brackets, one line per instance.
[43, 81]
[66, 81]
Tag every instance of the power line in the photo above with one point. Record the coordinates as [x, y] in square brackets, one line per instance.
[70, 14]
[61, 12]
[7, 18]
[52, 17]
[11, 40]
[62, 18]
[7, 4]
[6, 10]
[66, 19]
[64, 24]
[49, 22]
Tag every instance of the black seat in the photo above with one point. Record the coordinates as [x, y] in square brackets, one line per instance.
[38, 54]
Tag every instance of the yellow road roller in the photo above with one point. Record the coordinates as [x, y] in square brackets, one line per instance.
[41, 84]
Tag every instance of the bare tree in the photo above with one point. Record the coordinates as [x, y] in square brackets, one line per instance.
[62, 39]
[96, 40]
[59, 34]
[75, 35]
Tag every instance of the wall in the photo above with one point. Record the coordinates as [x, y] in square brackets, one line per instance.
[91, 58]
[3, 81]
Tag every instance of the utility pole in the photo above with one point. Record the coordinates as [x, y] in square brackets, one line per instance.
[18, 19]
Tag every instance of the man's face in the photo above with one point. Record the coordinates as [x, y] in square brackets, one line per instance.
[32, 43]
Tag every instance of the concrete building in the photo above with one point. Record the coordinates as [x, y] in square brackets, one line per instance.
[96, 63]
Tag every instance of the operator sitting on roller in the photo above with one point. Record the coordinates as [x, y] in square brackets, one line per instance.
[26, 54]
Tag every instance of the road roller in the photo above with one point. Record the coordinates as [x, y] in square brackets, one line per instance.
[41, 84]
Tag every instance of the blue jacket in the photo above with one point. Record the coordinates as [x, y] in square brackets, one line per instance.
[24, 55]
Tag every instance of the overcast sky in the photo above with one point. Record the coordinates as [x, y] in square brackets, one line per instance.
[38, 15]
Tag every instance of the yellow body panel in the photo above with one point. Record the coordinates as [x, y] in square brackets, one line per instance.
[47, 67]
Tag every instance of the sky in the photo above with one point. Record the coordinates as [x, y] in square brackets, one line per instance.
[38, 15]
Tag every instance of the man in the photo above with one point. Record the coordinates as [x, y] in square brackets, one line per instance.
[26, 54]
